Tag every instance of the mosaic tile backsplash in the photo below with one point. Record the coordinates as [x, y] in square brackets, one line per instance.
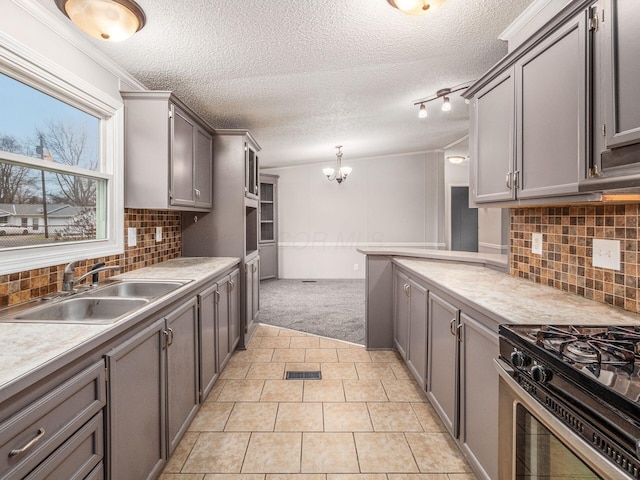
[567, 236]
[20, 287]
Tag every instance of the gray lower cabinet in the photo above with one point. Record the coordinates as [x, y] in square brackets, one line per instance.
[479, 395]
[268, 261]
[442, 388]
[234, 309]
[137, 405]
[182, 370]
[252, 296]
[153, 393]
[209, 369]
[400, 313]
[59, 435]
[410, 324]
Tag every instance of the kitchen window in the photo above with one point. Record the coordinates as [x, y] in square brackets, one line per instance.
[61, 193]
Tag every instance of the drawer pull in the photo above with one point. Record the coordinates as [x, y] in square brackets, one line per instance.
[35, 440]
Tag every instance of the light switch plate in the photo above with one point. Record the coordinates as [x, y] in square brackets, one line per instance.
[536, 243]
[131, 237]
[606, 253]
[158, 234]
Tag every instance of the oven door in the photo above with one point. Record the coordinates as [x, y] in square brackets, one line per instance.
[534, 444]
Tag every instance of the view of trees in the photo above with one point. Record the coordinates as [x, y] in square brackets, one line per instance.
[64, 143]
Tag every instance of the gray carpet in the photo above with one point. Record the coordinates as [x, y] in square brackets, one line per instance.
[331, 308]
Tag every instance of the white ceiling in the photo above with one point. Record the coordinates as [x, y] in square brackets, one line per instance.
[306, 75]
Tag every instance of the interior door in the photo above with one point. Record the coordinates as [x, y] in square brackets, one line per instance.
[464, 221]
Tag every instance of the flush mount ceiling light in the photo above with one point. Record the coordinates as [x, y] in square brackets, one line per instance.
[442, 93]
[456, 159]
[414, 7]
[111, 20]
[339, 174]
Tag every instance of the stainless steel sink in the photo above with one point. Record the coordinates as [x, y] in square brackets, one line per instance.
[130, 289]
[80, 310]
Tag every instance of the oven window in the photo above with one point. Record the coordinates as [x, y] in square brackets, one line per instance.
[540, 455]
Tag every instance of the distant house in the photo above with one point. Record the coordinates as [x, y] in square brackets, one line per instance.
[29, 218]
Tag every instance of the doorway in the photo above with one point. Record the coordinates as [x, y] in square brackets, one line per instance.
[464, 221]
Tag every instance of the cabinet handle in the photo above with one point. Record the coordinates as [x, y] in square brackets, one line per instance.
[255, 269]
[508, 180]
[452, 329]
[459, 332]
[197, 192]
[516, 179]
[407, 289]
[31, 443]
[169, 334]
[232, 285]
[217, 297]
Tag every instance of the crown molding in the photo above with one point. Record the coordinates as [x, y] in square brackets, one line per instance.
[523, 19]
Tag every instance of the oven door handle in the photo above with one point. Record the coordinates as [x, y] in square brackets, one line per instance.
[579, 446]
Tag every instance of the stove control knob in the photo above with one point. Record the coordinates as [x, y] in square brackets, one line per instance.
[520, 359]
[541, 374]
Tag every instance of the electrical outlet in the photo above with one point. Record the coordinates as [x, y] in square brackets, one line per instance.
[536, 243]
[131, 237]
[606, 253]
[158, 234]
[356, 267]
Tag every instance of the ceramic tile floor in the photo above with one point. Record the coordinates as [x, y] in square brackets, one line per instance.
[365, 420]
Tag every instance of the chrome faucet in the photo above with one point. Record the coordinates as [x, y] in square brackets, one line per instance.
[68, 282]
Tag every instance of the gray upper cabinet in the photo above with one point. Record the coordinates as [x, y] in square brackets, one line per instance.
[493, 127]
[551, 113]
[616, 125]
[168, 154]
[530, 132]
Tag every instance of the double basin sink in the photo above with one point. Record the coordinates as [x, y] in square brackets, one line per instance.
[102, 305]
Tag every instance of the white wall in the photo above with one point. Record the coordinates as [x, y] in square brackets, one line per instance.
[386, 201]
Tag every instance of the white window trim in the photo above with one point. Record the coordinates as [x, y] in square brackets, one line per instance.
[25, 65]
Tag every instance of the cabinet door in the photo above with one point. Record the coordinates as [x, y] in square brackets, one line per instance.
[136, 405]
[401, 313]
[417, 348]
[182, 370]
[234, 309]
[621, 36]
[551, 106]
[492, 137]
[182, 158]
[251, 171]
[479, 394]
[222, 319]
[208, 349]
[255, 313]
[203, 168]
[442, 381]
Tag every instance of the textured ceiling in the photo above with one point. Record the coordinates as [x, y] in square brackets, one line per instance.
[306, 75]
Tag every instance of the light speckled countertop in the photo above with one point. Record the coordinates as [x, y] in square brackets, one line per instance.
[27, 347]
[489, 259]
[514, 300]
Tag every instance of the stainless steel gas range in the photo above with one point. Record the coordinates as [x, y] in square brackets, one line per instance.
[569, 402]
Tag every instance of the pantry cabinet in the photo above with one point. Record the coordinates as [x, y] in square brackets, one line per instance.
[168, 154]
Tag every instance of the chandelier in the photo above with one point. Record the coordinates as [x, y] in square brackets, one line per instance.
[340, 173]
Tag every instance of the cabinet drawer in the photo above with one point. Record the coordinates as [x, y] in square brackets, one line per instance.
[76, 458]
[39, 429]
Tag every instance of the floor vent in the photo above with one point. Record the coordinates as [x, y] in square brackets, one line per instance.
[309, 375]
[309, 281]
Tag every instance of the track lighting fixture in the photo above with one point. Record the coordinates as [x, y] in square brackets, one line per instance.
[442, 93]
